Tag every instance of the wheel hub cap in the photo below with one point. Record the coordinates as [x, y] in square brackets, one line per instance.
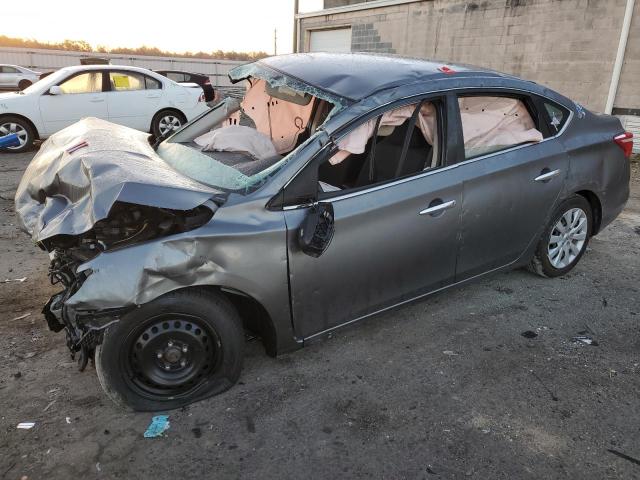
[9, 128]
[567, 238]
[169, 123]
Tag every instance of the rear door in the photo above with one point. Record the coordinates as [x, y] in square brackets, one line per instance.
[82, 96]
[394, 240]
[512, 177]
[133, 98]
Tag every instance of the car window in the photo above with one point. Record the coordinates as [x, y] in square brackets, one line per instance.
[494, 123]
[152, 83]
[126, 81]
[557, 116]
[176, 77]
[90, 82]
[402, 141]
[10, 70]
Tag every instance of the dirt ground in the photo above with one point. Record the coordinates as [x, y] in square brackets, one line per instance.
[444, 388]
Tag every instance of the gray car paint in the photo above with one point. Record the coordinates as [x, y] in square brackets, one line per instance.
[244, 246]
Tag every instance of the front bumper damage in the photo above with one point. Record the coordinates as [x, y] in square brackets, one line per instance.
[84, 329]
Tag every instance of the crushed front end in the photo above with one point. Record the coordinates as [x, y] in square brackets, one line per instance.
[96, 188]
[126, 225]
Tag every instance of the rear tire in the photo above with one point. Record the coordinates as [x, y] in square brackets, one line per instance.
[565, 238]
[10, 124]
[166, 120]
[24, 84]
[182, 347]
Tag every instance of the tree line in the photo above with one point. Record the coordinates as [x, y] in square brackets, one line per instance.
[82, 46]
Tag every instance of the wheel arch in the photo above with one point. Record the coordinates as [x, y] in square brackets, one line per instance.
[26, 119]
[255, 317]
[596, 208]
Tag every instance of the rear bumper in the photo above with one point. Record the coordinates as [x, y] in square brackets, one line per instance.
[615, 198]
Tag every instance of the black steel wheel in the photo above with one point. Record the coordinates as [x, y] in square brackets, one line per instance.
[170, 354]
[182, 347]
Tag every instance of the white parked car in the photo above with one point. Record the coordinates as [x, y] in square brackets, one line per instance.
[15, 77]
[131, 96]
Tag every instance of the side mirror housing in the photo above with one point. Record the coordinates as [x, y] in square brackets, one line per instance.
[55, 90]
[316, 231]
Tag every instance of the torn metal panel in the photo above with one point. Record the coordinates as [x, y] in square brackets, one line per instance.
[81, 171]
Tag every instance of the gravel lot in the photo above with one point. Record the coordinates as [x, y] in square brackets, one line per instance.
[444, 388]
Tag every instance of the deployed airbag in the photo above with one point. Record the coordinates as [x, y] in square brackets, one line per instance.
[237, 138]
[493, 123]
[356, 141]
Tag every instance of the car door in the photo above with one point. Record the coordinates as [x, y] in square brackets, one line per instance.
[510, 190]
[133, 98]
[393, 241]
[80, 96]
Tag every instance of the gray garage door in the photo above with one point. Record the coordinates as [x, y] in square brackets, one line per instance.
[330, 40]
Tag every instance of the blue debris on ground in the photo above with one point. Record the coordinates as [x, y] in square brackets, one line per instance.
[159, 424]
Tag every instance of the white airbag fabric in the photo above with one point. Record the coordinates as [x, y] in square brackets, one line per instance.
[237, 138]
[356, 141]
[493, 123]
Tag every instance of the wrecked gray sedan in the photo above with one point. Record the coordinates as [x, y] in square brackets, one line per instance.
[341, 186]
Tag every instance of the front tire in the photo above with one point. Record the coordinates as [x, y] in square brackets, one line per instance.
[184, 346]
[26, 135]
[565, 238]
[166, 122]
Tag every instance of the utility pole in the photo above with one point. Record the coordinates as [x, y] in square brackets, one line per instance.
[295, 26]
[275, 41]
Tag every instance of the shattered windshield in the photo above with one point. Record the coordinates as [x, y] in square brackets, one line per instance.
[239, 144]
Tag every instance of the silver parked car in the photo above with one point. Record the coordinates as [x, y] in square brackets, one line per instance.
[342, 185]
[14, 77]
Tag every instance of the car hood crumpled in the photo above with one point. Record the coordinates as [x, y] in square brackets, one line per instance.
[81, 171]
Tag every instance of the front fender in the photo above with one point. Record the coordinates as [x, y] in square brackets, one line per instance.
[248, 256]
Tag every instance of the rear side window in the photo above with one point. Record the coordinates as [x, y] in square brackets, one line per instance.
[557, 116]
[493, 123]
[151, 83]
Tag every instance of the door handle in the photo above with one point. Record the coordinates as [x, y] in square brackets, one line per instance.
[440, 207]
[97, 100]
[546, 176]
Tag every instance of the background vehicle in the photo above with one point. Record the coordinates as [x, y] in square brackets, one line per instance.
[187, 77]
[130, 96]
[14, 77]
[378, 189]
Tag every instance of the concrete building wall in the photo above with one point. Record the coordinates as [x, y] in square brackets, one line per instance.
[569, 45]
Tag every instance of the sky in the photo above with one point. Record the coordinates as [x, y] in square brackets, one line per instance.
[177, 26]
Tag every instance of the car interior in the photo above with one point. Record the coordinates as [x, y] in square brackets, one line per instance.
[392, 151]
[271, 123]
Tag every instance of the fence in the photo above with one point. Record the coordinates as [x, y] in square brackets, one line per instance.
[45, 60]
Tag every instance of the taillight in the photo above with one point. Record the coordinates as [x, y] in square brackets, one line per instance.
[625, 142]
